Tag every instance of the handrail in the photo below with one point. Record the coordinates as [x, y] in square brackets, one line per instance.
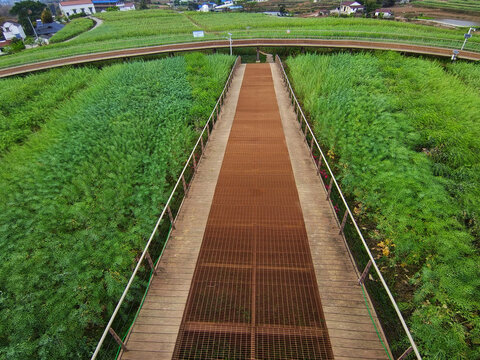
[166, 208]
[372, 259]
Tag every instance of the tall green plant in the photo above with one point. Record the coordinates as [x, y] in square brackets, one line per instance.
[78, 201]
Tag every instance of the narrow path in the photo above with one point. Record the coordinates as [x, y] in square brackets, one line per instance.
[254, 293]
[97, 22]
[202, 45]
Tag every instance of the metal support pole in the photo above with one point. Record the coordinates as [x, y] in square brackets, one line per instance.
[365, 272]
[305, 131]
[117, 339]
[319, 163]
[184, 185]
[150, 262]
[406, 353]
[208, 131]
[216, 118]
[330, 188]
[194, 163]
[170, 215]
[258, 55]
[344, 221]
[311, 145]
[201, 143]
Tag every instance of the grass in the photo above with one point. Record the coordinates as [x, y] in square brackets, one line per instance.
[72, 29]
[132, 29]
[404, 136]
[455, 5]
[80, 198]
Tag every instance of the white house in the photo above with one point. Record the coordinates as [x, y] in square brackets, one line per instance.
[72, 7]
[348, 8]
[385, 13]
[126, 6]
[13, 30]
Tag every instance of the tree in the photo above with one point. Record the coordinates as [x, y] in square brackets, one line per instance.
[25, 9]
[143, 5]
[46, 16]
[370, 6]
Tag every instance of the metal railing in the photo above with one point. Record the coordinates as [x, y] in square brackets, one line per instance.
[325, 172]
[171, 209]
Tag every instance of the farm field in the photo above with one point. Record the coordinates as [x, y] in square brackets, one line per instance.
[455, 5]
[74, 28]
[26, 103]
[81, 194]
[404, 135]
[121, 30]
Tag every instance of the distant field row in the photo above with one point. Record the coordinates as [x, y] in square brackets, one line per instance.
[157, 27]
[462, 5]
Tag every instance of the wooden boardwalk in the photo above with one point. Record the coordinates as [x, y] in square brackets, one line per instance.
[346, 324]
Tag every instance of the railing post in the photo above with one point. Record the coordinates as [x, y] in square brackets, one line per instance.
[150, 262]
[319, 163]
[311, 145]
[184, 185]
[117, 339]
[170, 215]
[330, 188]
[344, 221]
[201, 143]
[365, 272]
[194, 163]
[217, 116]
[405, 354]
[208, 131]
[305, 131]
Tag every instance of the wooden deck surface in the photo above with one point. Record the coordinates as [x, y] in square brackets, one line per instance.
[350, 329]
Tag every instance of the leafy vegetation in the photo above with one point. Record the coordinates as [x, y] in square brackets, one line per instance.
[72, 29]
[404, 136]
[26, 103]
[467, 72]
[25, 9]
[80, 198]
[132, 29]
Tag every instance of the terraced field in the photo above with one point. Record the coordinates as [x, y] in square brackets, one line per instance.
[122, 30]
[455, 5]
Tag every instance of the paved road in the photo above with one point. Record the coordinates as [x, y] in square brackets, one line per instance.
[127, 53]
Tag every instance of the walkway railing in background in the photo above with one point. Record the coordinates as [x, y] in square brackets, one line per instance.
[349, 228]
[131, 300]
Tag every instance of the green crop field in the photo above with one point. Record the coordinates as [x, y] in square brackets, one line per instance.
[132, 29]
[404, 135]
[26, 103]
[73, 28]
[82, 188]
[455, 5]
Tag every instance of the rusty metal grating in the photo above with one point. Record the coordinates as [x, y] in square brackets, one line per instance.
[254, 293]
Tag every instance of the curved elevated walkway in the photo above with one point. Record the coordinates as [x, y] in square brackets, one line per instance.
[273, 279]
[203, 45]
